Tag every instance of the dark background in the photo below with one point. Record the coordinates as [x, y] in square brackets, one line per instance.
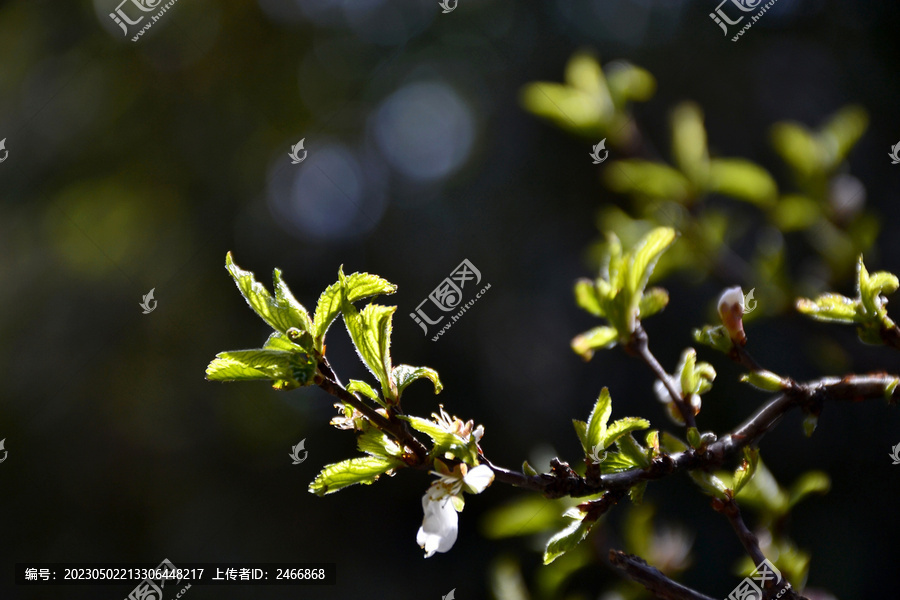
[138, 165]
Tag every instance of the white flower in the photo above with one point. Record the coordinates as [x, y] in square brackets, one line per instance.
[439, 527]
[444, 499]
[731, 311]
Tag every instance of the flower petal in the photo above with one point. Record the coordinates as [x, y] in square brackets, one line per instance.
[478, 479]
[439, 527]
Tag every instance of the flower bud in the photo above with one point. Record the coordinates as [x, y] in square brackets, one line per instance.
[731, 311]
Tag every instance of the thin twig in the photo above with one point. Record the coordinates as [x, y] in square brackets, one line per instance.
[392, 428]
[640, 344]
[637, 569]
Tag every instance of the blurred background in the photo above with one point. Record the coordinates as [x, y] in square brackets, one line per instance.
[136, 165]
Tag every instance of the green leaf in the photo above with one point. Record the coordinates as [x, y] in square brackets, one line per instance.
[797, 147]
[616, 462]
[689, 143]
[281, 312]
[586, 297]
[765, 380]
[672, 444]
[359, 286]
[567, 539]
[370, 331]
[376, 443]
[528, 469]
[621, 427]
[357, 386]
[598, 338]
[841, 133]
[403, 375]
[596, 424]
[571, 109]
[636, 492]
[350, 472]
[812, 482]
[646, 253]
[652, 301]
[444, 441]
[832, 308]
[743, 180]
[327, 310]
[645, 179]
[810, 422]
[280, 341]
[628, 82]
[636, 453]
[690, 379]
[693, 437]
[524, 516]
[745, 472]
[581, 432]
[715, 337]
[795, 213]
[287, 370]
[709, 483]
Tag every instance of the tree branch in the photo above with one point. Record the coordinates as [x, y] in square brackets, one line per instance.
[563, 481]
[393, 428]
[637, 569]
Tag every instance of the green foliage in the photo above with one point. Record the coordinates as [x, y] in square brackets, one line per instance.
[867, 311]
[592, 103]
[765, 380]
[619, 294]
[282, 312]
[350, 472]
[596, 434]
[286, 370]
[571, 536]
[822, 206]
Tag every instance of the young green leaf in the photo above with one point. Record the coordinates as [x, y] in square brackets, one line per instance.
[586, 297]
[370, 331]
[581, 432]
[598, 338]
[709, 483]
[743, 180]
[621, 427]
[376, 443]
[652, 301]
[645, 255]
[403, 375]
[281, 312]
[715, 337]
[349, 472]
[744, 473]
[629, 447]
[617, 462]
[672, 444]
[361, 387]
[596, 424]
[327, 310]
[693, 436]
[567, 539]
[287, 370]
[833, 308]
[765, 380]
[811, 482]
[359, 286]
[689, 143]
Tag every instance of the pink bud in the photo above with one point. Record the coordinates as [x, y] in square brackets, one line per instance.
[731, 311]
